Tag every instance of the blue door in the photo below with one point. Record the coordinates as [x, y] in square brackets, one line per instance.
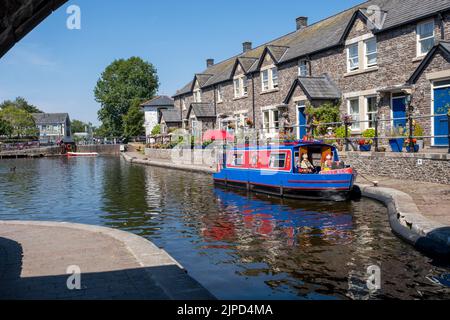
[441, 106]
[399, 112]
[301, 122]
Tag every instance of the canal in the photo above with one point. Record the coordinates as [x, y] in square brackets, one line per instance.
[237, 245]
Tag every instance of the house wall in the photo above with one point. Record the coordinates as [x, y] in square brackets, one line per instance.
[396, 60]
[151, 119]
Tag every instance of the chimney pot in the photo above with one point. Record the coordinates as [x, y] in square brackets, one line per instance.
[209, 63]
[302, 22]
[246, 46]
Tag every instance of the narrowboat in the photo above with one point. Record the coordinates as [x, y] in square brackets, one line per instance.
[82, 154]
[306, 170]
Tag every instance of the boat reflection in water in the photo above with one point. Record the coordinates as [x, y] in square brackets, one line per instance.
[275, 223]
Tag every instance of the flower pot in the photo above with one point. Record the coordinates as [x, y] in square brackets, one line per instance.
[397, 144]
[365, 147]
[416, 148]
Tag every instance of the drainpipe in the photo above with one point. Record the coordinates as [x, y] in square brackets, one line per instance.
[215, 106]
[253, 100]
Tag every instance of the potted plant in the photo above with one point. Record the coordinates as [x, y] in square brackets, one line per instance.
[408, 145]
[396, 141]
[419, 133]
[365, 144]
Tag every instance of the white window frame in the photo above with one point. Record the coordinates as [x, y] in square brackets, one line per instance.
[240, 85]
[219, 93]
[198, 96]
[367, 112]
[356, 126]
[366, 53]
[349, 68]
[183, 104]
[273, 126]
[272, 161]
[272, 83]
[419, 40]
[303, 68]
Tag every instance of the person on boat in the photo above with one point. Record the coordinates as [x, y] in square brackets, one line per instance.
[328, 163]
[306, 166]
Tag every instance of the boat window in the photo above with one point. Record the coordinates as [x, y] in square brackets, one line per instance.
[254, 159]
[277, 160]
[238, 159]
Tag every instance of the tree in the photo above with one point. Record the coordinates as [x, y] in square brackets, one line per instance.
[134, 121]
[78, 126]
[123, 82]
[20, 103]
[22, 123]
[6, 128]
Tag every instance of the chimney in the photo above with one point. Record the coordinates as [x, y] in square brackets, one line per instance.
[246, 46]
[209, 63]
[302, 22]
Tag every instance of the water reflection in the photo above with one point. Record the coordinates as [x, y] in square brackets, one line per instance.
[238, 245]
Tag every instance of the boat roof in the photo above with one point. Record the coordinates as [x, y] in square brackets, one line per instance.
[285, 146]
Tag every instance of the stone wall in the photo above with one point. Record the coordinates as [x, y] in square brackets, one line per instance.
[433, 168]
[103, 149]
[200, 157]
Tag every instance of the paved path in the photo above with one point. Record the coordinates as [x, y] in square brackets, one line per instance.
[433, 200]
[34, 258]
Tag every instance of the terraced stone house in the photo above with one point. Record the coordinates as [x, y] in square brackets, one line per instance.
[368, 59]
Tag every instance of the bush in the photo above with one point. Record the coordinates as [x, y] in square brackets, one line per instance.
[325, 113]
[340, 132]
[156, 130]
[369, 133]
[418, 131]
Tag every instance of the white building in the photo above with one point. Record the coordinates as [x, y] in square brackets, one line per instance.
[152, 110]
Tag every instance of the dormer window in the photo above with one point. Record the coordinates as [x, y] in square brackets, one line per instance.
[197, 96]
[302, 68]
[183, 104]
[240, 86]
[353, 57]
[425, 37]
[220, 93]
[269, 79]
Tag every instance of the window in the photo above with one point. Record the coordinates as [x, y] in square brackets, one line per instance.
[183, 104]
[425, 38]
[266, 121]
[265, 80]
[276, 119]
[353, 57]
[371, 52]
[354, 112]
[237, 88]
[241, 120]
[371, 110]
[269, 79]
[274, 72]
[240, 87]
[302, 69]
[220, 93]
[277, 161]
[238, 159]
[196, 128]
[197, 96]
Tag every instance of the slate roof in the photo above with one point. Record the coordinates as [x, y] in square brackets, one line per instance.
[316, 88]
[202, 110]
[159, 101]
[50, 118]
[325, 34]
[171, 116]
[442, 45]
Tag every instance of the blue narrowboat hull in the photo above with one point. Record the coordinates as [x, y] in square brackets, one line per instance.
[286, 184]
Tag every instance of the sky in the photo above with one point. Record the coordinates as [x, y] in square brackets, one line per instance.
[57, 69]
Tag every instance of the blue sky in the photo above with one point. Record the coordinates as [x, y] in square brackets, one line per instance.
[56, 68]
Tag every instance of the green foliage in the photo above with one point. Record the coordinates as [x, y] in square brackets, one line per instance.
[369, 134]
[325, 113]
[122, 83]
[6, 128]
[134, 121]
[418, 131]
[20, 121]
[79, 126]
[20, 103]
[156, 130]
[340, 132]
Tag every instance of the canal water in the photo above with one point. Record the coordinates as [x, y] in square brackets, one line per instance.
[237, 245]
